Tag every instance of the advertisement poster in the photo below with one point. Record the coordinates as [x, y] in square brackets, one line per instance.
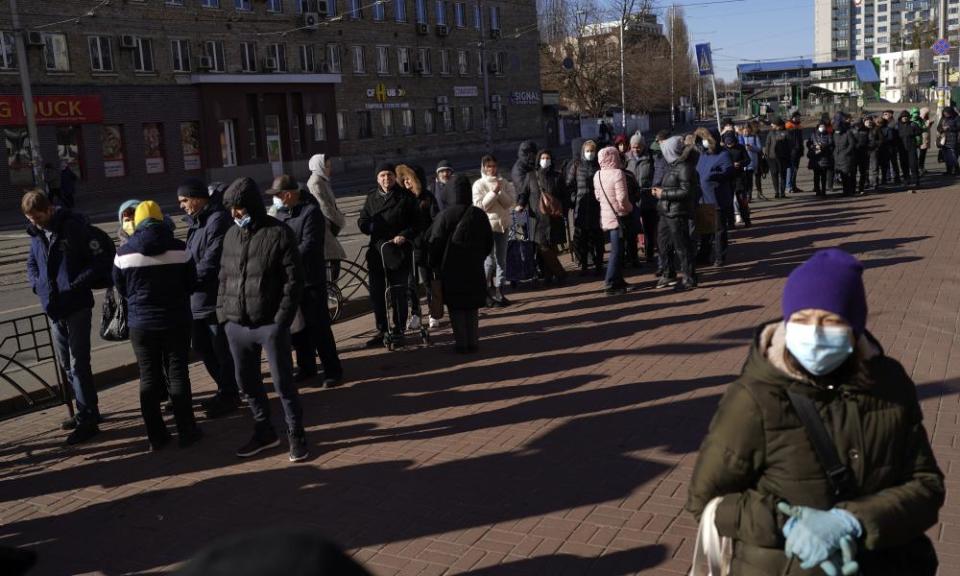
[19, 159]
[111, 141]
[190, 140]
[153, 147]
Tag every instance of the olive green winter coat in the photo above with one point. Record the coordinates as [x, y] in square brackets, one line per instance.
[757, 454]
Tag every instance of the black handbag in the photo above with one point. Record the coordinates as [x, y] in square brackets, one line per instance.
[113, 317]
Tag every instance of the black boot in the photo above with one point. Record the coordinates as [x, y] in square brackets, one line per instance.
[498, 296]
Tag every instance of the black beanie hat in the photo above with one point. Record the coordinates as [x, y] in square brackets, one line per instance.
[385, 167]
[462, 190]
[193, 188]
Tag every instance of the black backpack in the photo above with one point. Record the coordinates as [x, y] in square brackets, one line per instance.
[102, 251]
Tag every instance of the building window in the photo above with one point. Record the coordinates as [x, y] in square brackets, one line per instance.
[400, 10]
[356, 10]
[379, 12]
[383, 60]
[101, 57]
[386, 120]
[55, 53]
[143, 55]
[442, 12]
[364, 124]
[477, 15]
[295, 134]
[446, 114]
[466, 118]
[213, 49]
[307, 60]
[319, 128]
[359, 60]
[423, 61]
[180, 55]
[342, 133]
[496, 103]
[248, 56]
[210, 3]
[494, 17]
[459, 14]
[421, 11]
[228, 143]
[8, 51]
[501, 63]
[279, 54]
[445, 61]
[407, 123]
[275, 6]
[462, 65]
[429, 127]
[245, 6]
[252, 136]
[403, 60]
[333, 58]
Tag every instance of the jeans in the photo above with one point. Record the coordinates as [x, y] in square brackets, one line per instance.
[246, 344]
[950, 159]
[466, 328]
[71, 344]
[317, 335]
[378, 278]
[496, 262]
[163, 356]
[210, 342]
[614, 276]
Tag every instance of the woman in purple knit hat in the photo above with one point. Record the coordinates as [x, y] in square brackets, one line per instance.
[817, 458]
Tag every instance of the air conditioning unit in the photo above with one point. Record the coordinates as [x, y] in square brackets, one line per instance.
[422, 28]
[442, 30]
[494, 33]
[269, 64]
[204, 63]
[128, 41]
[310, 20]
[323, 8]
[35, 38]
[441, 99]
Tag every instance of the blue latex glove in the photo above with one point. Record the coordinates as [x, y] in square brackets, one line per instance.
[814, 535]
[843, 563]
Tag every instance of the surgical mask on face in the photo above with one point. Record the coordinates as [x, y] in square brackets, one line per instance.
[705, 143]
[544, 164]
[128, 227]
[821, 129]
[819, 349]
[278, 203]
[588, 156]
[242, 222]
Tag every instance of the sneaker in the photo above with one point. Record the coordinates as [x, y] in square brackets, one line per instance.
[414, 324]
[82, 433]
[738, 220]
[375, 342]
[191, 438]
[666, 282]
[332, 381]
[298, 447]
[615, 291]
[219, 405]
[258, 443]
[434, 323]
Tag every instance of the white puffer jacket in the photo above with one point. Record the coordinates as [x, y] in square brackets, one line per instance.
[496, 205]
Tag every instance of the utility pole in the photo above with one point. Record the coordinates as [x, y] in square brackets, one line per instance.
[24, 64]
[623, 85]
[486, 82]
[673, 67]
[941, 66]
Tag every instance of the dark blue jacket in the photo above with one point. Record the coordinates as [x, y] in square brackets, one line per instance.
[309, 226]
[716, 173]
[205, 243]
[155, 273]
[61, 268]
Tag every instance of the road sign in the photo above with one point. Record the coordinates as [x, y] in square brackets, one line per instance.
[941, 59]
[940, 47]
[704, 59]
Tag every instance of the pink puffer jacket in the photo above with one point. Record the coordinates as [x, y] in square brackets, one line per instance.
[611, 179]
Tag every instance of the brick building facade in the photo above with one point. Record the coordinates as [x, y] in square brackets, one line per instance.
[143, 93]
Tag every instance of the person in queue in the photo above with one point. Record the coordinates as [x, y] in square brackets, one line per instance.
[443, 172]
[820, 149]
[427, 209]
[640, 162]
[610, 189]
[497, 197]
[587, 234]
[321, 170]
[677, 195]
[543, 195]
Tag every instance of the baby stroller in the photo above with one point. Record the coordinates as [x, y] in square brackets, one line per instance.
[397, 262]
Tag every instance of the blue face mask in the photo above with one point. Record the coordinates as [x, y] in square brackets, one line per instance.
[242, 222]
[819, 349]
[278, 203]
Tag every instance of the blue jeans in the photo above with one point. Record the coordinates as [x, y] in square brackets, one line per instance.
[950, 158]
[210, 342]
[246, 344]
[496, 262]
[71, 343]
[614, 276]
[792, 168]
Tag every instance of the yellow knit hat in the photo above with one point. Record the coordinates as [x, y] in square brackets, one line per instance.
[147, 210]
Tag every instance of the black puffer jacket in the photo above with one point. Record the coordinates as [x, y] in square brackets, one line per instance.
[681, 190]
[909, 134]
[820, 151]
[526, 163]
[547, 230]
[949, 128]
[845, 151]
[309, 228]
[642, 168]
[579, 180]
[386, 216]
[261, 277]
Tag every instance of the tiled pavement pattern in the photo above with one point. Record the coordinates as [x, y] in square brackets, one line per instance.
[565, 447]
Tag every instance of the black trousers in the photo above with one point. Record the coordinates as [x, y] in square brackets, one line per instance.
[466, 328]
[822, 180]
[758, 181]
[778, 176]
[674, 238]
[316, 338]
[651, 221]
[162, 352]
[889, 162]
[910, 164]
[848, 180]
[379, 278]
[922, 161]
[863, 169]
[589, 243]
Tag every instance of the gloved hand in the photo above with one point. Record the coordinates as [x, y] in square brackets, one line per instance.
[842, 563]
[814, 535]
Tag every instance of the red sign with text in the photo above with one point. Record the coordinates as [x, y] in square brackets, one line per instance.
[52, 110]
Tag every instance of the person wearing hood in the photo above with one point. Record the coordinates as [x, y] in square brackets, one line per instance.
[778, 150]
[458, 243]
[922, 118]
[587, 235]
[61, 266]
[444, 173]
[543, 197]
[820, 153]
[155, 274]
[890, 150]
[867, 145]
[208, 223]
[716, 171]
[497, 197]
[910, 135]
[740, 182]
[319, 187]
[300, 214]
[753, 177]
[610, 190]
[261, 286]
[949, 131]
[428, 208]
[764, 465]
[677, 195]
[845, 155]
[794, 130]
[526, 163]
[641, 162]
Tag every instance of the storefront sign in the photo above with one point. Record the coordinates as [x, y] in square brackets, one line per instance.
[52, 110]
[388, 106]
[190, 141]
[465, 91]
[525, 97]
[111, 141]
[381, 92]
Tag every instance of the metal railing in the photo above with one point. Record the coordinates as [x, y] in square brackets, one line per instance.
[28, 362]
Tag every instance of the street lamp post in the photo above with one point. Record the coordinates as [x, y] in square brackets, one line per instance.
[28, 108]
[673, 66]
[623, 85]
[941, 66]
[486, 81]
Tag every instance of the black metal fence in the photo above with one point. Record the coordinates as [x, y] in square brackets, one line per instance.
[28, 365]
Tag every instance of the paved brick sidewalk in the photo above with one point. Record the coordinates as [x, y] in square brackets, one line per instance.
[563, 448]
